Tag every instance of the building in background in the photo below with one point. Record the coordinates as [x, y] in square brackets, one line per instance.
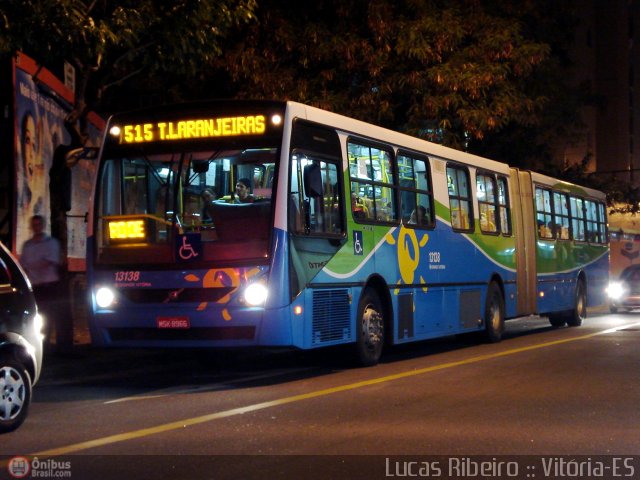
[606, 58]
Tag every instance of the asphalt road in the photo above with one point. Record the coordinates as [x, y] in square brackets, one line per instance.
[539, 395]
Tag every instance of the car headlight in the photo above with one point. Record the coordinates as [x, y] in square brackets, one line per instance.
[105, 297]
[38, 324]
[255, 294]
[615, 290]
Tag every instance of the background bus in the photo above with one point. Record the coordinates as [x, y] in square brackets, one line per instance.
[353, 234]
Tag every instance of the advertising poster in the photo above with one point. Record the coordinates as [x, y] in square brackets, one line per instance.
[40, 108]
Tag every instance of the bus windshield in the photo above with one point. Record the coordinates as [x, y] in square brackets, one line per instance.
[217, 202]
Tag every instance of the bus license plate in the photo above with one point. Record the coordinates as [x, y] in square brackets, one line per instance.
[173, 322]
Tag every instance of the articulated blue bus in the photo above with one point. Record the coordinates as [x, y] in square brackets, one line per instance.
[255, 223]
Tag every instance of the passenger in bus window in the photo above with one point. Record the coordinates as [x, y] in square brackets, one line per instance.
[543, 230]
[243, 192]
[358, 208]
[418, 216]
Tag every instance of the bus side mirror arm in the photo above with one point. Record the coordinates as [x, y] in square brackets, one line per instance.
[82, 153]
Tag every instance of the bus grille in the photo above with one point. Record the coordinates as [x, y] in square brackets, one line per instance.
[331, 314]
[174, 295]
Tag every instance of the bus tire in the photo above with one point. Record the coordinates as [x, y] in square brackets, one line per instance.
[369, 329]
[579, 312]
[494, 314]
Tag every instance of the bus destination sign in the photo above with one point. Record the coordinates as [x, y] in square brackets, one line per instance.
[190, 129]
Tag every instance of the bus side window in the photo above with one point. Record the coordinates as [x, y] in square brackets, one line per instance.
[315, 197]
[561, 207]
[296, 221]
[577, 218]
[372, 183]
[459, 198]
[414, 178]
[544, 214]
[487, 202]
[503, 203]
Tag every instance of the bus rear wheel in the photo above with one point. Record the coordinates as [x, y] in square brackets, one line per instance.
[579, 312]
[494, 314]
[369, 329]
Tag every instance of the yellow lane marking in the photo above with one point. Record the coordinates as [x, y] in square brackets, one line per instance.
[145, 432]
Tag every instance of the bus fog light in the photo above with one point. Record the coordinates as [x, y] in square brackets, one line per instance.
[105, 297]
[255, 294]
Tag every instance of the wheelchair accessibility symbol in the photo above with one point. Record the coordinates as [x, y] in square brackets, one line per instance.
[357, 243]
[188, 247]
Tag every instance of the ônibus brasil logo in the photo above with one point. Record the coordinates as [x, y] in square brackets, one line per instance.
[19, 467]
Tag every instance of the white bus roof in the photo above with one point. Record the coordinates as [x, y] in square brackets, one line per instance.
[401, 140]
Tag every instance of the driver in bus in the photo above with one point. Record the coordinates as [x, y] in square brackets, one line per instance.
[208, 196]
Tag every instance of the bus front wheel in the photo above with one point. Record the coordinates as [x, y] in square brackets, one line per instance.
[369, 329]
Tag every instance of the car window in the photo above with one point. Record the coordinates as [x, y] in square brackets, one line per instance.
[631, 274]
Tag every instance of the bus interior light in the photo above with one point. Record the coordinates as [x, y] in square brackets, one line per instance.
[105, 297]
[256, 294]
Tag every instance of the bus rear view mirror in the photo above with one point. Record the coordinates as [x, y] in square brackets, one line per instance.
[200, 167]
[312, 181]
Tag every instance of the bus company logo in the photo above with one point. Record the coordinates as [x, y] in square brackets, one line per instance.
[19, 467]
[408, 250]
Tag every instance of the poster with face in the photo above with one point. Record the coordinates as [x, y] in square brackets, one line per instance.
[40, 109]
[39, 130]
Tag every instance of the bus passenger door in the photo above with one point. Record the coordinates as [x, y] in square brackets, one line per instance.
[525, 232]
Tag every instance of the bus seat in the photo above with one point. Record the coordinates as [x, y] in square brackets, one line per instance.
[235, 221]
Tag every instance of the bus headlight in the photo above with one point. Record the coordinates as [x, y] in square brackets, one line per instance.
[105, 297]
[615, 290]
[255, 294]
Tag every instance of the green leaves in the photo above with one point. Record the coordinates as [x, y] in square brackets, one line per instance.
[111, 41]
[410, 65]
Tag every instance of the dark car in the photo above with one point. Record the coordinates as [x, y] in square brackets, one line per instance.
[624, 293]
[20, 342]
